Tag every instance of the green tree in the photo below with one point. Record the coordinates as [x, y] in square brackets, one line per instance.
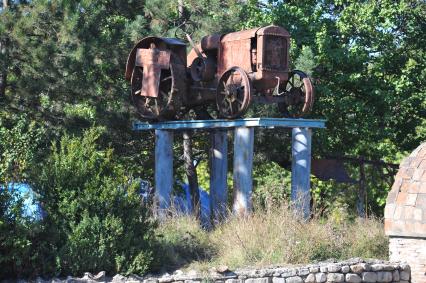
[95, 219]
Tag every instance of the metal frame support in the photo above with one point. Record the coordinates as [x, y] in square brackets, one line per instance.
[163, 169]
[243, 161]
[243, 170]
[301, 171]
[218, 174]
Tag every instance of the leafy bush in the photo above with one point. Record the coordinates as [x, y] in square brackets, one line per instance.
[15, 235]
[95, 218]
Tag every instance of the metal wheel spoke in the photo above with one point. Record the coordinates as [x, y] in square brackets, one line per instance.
[156, 107]
[165, 79]
[230, 107]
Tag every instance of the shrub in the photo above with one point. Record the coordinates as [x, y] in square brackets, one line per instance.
[95, 218]
[15, 235]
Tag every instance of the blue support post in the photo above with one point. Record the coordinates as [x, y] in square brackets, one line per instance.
[301, 171]
[218, 174]
[243, 167]
[163, 169]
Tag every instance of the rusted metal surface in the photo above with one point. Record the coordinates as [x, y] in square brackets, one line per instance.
[210, 42]
[224, 72]
[233, 93]
[152, 61]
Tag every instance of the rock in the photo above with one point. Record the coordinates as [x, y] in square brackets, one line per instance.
[258, 280]
[289, 273]
[278, 280]
[404, 276]
[165, 279]
[323, 268]
[294, 279]
[233, 281]
[353, 278]
[278, 271]
[384, 276]
[333, 268]
[119, 278]
[87, 276]
[360, 267]
[382, 267]
[310, 278]
[395, 275]
[100, 276]
[369, 277]
[345, 269]
[222, 269]
[320, 277]
[303, 271]
[178, 272]
[314, 269]
[335, 277]
[405, 267]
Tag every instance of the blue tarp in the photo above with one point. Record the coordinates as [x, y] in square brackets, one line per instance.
[183, 203]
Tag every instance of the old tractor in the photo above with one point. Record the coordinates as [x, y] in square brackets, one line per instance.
[220, 77]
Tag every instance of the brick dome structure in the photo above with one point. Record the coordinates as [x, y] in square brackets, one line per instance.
[405, 214]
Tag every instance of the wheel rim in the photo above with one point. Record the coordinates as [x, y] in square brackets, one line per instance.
[233, 93]
[298, 94]
[154, 108]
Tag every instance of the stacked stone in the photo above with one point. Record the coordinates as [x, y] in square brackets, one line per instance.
[351, 271]
[405, 211]
[405, 214]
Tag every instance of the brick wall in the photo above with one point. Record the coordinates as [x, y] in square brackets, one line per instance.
[413, 251]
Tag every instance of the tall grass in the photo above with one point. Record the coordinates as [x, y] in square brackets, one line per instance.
[266, 237]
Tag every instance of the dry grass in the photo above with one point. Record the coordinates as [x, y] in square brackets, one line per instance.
[268, 237]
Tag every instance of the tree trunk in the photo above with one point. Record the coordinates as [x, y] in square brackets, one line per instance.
[361, 191]
[191, 173]
[5, 4]
[180, 9]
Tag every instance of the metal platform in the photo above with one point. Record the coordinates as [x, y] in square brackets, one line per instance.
[222, 124]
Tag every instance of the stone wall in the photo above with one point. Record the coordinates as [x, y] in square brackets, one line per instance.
[352, 271]
[413, 251]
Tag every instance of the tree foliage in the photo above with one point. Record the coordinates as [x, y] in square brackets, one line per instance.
[62, 72]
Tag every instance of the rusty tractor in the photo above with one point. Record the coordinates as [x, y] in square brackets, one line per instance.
[219, 78]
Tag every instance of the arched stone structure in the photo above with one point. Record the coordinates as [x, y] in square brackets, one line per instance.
[405, 214]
